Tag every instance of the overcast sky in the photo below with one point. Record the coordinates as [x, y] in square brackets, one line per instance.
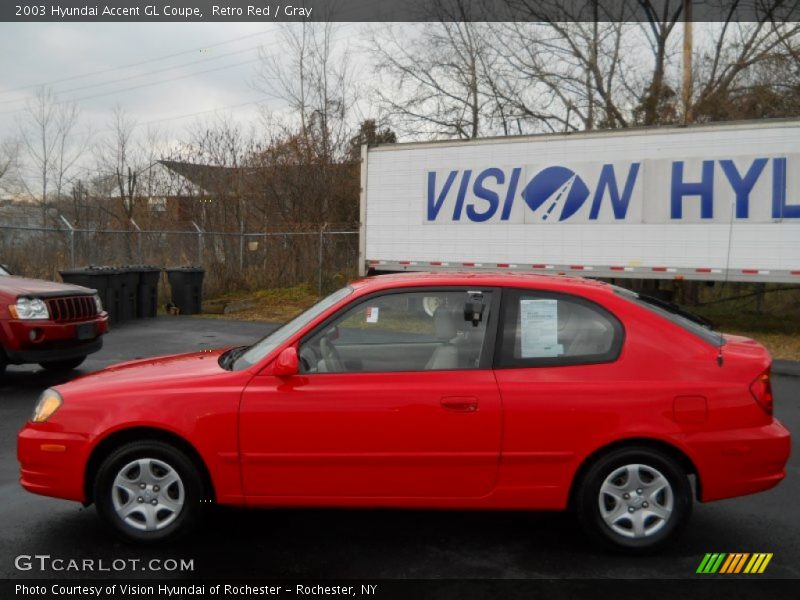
[48, 53]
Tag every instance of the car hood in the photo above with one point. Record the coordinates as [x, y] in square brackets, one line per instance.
[151, 372]
[21, 286]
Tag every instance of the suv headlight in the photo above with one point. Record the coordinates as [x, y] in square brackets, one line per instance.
[48, 403]
[29, 308]
[98, 303]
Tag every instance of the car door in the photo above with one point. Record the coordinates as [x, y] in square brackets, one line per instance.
[561, 385]
[395, 399]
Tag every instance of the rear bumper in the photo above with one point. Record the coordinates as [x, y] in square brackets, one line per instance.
[742, 462]
[52, 463]
[54, 341]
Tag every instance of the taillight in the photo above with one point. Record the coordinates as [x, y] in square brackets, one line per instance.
[762, 392]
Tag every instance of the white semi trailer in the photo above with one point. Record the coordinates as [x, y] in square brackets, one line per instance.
[715, 202]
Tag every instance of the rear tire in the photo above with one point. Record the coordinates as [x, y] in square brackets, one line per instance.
[634, 499]
[148, 492]
[63, 365]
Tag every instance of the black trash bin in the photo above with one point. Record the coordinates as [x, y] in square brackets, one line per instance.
[83, 277]
[128, 277]
[112, 299]
[100, 280]
[187, 288]
[147, 291]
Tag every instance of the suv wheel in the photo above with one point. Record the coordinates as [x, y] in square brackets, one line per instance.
[63, 365]
[635, 499]
[148, 491]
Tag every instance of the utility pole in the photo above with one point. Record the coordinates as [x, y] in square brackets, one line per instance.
[687, 61]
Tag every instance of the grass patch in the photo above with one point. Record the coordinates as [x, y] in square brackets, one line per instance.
[774, 321]
[275, 305]
[779, 333]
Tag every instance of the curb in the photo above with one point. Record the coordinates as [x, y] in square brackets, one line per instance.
[786, 367]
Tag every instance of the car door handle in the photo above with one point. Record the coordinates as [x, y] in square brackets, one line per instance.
[460, 403]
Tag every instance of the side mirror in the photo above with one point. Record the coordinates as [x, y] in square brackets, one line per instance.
[287, 363]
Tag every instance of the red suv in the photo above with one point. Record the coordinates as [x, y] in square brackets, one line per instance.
[429, 390]
[53, 324]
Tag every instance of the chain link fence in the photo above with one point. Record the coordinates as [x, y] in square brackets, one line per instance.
[323, 258]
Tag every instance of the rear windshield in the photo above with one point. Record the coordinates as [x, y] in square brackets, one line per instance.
[694, 324]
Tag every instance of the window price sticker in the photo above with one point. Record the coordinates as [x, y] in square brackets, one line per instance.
[372, 314]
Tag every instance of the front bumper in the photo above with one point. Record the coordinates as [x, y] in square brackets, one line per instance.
[745, 461]
[52, 462]
[54, 341]
[54, 351]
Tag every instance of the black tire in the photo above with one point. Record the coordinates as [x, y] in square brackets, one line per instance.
[63, 365]
[160, 453]
[658, 531]
[3, 363]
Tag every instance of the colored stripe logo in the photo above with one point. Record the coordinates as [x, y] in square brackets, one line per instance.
[734, 563]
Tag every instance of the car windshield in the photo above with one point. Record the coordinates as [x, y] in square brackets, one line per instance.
[259, 350]
[699, 326]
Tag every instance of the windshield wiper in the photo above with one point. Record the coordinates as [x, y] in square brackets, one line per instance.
[229, 357]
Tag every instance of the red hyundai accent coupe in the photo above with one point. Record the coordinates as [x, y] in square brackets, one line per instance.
[480, 391]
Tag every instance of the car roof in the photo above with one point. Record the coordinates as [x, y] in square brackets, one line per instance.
[489, 278]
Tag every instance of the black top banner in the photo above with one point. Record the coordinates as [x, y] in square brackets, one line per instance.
[400, 10]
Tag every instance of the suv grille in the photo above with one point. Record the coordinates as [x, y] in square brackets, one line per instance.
[71, 308]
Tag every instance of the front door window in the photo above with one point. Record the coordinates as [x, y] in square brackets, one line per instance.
[409, 331]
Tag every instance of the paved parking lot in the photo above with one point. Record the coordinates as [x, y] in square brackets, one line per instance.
[367, 543]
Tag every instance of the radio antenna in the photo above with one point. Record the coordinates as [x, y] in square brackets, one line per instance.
[727, 271]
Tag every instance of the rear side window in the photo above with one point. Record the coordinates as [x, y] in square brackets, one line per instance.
[546, 329]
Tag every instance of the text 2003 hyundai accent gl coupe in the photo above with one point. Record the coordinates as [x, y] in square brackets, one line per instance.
[453, 391]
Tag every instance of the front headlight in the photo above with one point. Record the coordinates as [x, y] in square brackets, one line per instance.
[29, 308]
[98, 303]
[48, 403]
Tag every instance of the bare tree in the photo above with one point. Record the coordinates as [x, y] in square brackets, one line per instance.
[568, 68]
[153, 147]
[741, 60]
[9, 154]
[658, 98]
[441, 78]
[312, 75]
[589, 64]
[122, 162]
[51, 145]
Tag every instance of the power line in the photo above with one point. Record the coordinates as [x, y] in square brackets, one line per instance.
[135, 64]
[170, 80]
[143, 85]
[193, 114]
[145, 74]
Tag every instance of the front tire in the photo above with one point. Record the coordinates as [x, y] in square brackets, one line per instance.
[148, 492]
[634, 499]
[63, 365]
